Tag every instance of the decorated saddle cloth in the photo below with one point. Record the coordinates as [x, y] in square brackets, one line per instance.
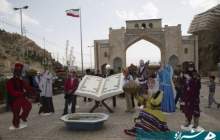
[151, 118]
[131, 87]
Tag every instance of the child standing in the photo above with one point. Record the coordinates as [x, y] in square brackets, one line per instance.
[178, 82]
[211, 86]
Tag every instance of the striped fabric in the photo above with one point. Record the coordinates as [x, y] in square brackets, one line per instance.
[148, 122]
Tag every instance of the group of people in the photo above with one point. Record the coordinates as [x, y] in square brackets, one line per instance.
[41, 84]
[21, 93]
[149, 83]
[148, 90]
[188, 84]
[158, 94]
[154, 93]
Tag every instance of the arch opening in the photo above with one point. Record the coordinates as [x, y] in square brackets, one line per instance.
[145, 50]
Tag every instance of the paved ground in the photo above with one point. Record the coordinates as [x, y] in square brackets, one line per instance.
[51, 128]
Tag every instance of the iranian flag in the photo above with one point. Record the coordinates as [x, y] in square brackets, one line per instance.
[73, 12]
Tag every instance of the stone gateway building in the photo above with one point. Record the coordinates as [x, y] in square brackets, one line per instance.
[175, 48]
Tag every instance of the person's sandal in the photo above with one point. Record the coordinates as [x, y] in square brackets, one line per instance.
[130, 132]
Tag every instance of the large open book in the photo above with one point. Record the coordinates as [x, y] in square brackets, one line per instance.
[99, 88]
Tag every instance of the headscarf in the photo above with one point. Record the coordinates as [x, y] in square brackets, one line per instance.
[141, 63]
[18, 69]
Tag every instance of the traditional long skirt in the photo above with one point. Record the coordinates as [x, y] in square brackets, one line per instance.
[191, 109]
[168, 102]
[46, 105]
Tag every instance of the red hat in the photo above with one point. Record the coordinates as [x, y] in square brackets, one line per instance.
[18, 66]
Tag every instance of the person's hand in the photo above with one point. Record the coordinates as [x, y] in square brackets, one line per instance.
[69, 91]
[145, 96]
[188, 89]
[31, 100]
[65, 96]
[182, 103]
[137, 119]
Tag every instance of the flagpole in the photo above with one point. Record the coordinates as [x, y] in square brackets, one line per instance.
[81, 38]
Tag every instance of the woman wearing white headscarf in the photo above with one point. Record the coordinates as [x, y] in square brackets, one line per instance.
[46, 94]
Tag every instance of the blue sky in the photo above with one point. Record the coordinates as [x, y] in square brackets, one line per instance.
[47, 19]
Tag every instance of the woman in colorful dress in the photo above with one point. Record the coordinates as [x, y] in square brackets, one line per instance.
[166, 85]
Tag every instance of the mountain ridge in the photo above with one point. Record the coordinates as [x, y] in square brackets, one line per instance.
[16, 48]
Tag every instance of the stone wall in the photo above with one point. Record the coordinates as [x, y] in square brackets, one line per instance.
[209, 51]
[187, 49]
[117, 48]
[101, 50]
[138, 24]
[173, 40]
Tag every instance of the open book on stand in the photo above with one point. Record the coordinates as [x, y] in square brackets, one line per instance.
[99, 88]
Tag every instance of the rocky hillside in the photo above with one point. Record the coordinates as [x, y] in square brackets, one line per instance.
[14, 48]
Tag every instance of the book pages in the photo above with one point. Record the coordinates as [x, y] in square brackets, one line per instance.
[99, 88]
[90, 86]
[112, 86]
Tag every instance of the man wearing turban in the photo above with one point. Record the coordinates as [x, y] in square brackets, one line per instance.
[18, 99]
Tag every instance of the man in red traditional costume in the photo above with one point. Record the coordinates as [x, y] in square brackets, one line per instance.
[18, 99]
[190, 99]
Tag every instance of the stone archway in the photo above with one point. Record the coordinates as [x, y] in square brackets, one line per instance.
[168, 39]
[173, 61]
[117, 64]
[154, 37]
